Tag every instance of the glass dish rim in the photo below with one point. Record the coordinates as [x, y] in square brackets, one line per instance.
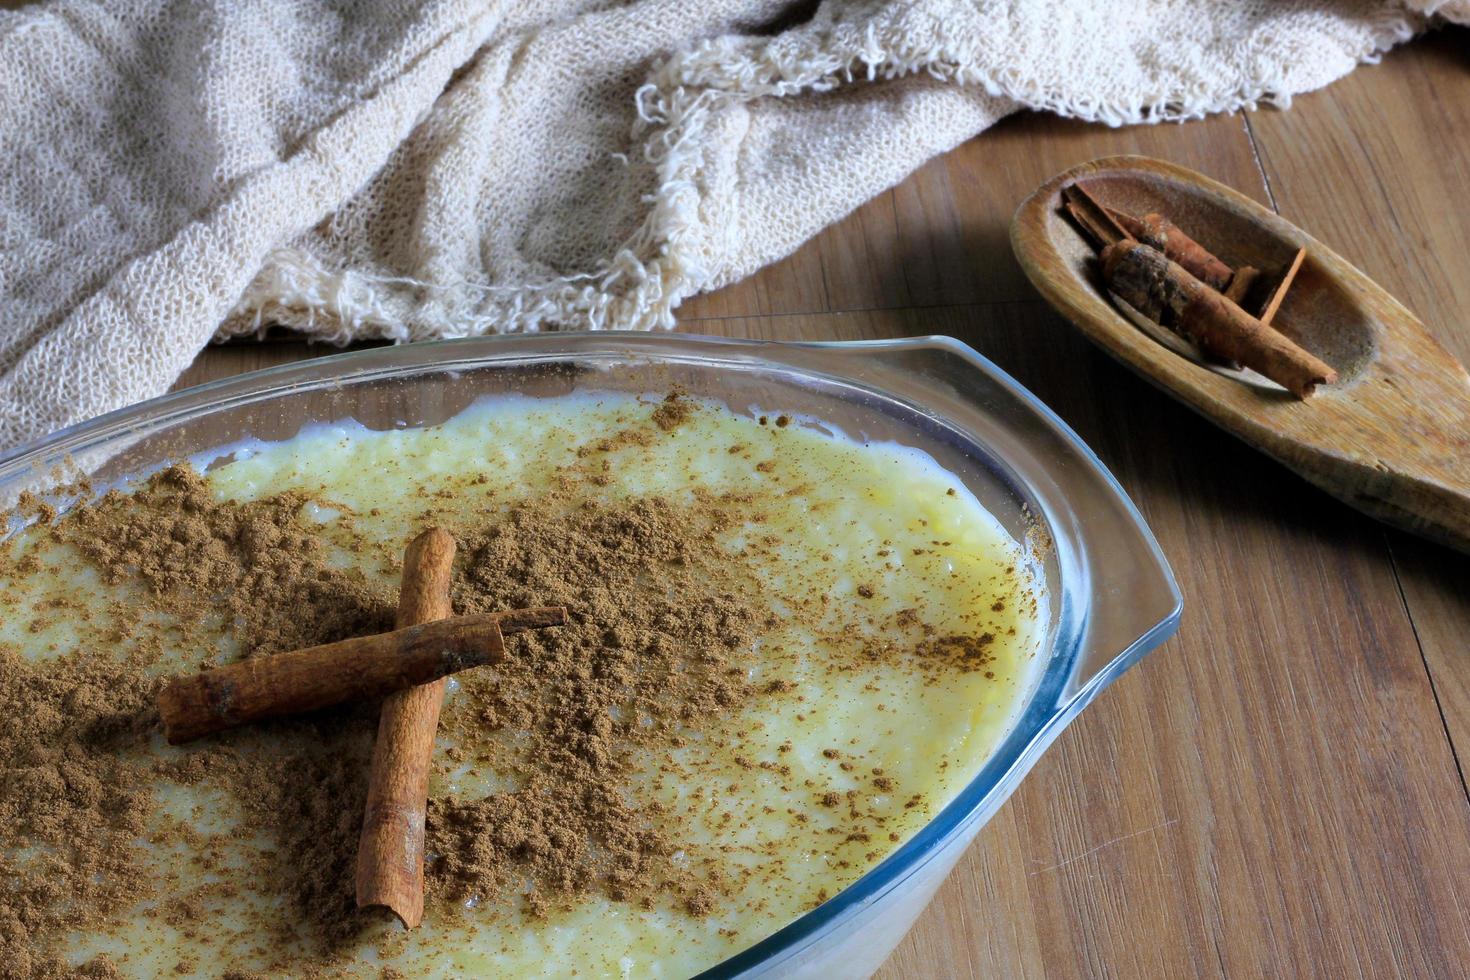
[1043, 718]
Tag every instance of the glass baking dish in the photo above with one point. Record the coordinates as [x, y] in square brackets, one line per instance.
[1111, 595]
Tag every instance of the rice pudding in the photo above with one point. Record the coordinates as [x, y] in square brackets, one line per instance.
[788, 650]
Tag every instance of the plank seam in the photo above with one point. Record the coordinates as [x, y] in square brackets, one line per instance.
[1449, 736]
[1250, 137]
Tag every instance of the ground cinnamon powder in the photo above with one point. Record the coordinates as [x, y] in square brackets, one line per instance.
[257, 565]
[664, 623]
[80, 729]
[72, 788]
[658, 627]
[656, 620]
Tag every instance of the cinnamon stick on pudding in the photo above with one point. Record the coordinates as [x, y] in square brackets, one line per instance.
[1168, 294]
[357, 669]
[318, 677]
[390, 855]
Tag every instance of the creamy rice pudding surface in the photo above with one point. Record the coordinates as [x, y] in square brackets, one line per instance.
[787, 651]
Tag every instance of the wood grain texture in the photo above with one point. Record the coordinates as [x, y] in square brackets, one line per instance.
[1273, 792]
[1391, 436]
[1387, 188]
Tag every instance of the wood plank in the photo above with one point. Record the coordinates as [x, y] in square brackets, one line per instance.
[1379, 167]
[227, 360]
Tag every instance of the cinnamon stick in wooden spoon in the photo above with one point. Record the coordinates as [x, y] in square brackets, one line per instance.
[1160, 233]
[390, 856]
[1168, 294]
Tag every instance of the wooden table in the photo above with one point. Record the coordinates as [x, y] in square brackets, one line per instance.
[1278, 790]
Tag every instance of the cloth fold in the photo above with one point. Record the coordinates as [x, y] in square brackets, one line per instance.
[173, 172]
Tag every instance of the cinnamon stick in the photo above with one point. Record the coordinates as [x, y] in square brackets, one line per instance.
[1107, 226]
[1268, 313]
[357, 669]
[1166, 292]
[1096, 221]
[319, 677]
[390, 856]
[1160, 233]
[1240, 285]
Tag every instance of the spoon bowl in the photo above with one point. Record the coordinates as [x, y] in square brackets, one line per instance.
[1391, 437]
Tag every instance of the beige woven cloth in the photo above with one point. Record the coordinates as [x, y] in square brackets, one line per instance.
[172, 172]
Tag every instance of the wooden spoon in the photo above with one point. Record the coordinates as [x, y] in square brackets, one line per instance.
[1391, 437]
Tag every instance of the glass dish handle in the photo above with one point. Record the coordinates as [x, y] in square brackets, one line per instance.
[1118, 598]
[1129, 602]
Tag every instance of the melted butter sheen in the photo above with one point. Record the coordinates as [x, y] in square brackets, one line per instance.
[878, 528]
